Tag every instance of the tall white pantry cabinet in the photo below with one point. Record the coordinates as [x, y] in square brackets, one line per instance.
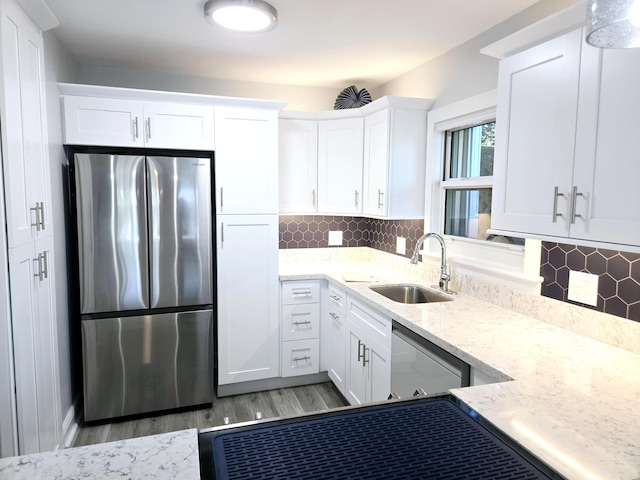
[30, 416]
[246, 175]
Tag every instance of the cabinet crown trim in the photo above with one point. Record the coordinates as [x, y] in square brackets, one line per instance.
[74, 89]
[549, 27]
[409, 103]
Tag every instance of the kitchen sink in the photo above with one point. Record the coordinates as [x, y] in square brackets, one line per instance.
[410, 293]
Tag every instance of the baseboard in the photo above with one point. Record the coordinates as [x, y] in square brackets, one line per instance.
[271, 384]
[70, 424]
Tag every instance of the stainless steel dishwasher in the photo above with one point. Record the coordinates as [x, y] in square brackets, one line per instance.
[418, 366]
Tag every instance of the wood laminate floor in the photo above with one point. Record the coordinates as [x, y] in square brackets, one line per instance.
[239, 408]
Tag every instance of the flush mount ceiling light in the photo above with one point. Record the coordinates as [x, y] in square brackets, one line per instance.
[613, 23]
[253, 16]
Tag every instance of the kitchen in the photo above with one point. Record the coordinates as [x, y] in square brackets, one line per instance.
[446, 87]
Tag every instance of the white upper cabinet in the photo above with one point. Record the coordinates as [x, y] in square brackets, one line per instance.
[340, 147]
[394, 162]
[246, 160]
[607, 168]
[24, 134]
[131, 123]
[567, 159]
[298, 165]
[535, 137]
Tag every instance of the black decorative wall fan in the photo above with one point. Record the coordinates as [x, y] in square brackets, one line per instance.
[350, 97]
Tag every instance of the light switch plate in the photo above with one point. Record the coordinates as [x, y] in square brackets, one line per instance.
[583, 288]
[335, 237]
[401, 245]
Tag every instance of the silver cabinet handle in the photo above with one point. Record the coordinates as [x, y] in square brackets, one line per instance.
[135, 128]
[301, 293]
[333, 315]
[304, 359]
[45, 263]
[221, 198]
[364, 356]
[313, 197]
[380, 195]
[574, 196]
[357, 198]
[360, 356]
[148, 128]
[39, 212]
[307, 322]
[41, 268]
[336, 298]
[555, 214]
[222, 233]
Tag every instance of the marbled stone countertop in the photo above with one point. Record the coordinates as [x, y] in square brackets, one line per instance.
[572, 401]
[170, 456]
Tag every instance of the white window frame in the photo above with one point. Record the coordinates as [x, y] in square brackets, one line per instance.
[514, 265]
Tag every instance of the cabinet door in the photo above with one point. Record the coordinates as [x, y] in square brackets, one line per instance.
[335, 322]
[24, 135]
[340, 147]
[298, 165]
[357, 369]
[103, 121]
[376, 158]
[535, 137]
[378, 359]
[35, 347]
[607, 161]
[175, 125]
[248, 335]
[246, 160]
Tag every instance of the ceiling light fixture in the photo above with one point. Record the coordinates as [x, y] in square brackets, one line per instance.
[613, 23]
[252, 16]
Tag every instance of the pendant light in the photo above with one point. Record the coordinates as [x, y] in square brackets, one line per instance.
[613, 23]
[250, 16]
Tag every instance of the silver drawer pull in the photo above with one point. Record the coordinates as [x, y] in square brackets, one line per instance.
[336, 298]
[304, 359]
[556, 194]
[360, 355]
[301, 293]
[335, 316]
[307, 322]
[364, 356]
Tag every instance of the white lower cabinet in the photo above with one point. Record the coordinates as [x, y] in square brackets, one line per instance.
[35, 347]
[248, 333]
[368, 350]
[334, 319]
[300, 326]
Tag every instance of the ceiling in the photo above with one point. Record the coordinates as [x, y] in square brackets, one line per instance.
[323, 43]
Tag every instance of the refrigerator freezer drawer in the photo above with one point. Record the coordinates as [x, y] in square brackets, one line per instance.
[147, 363]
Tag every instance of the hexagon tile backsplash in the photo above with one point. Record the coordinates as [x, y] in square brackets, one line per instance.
[312, 231]
[618, 272]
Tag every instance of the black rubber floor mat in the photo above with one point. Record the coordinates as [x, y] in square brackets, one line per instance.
[432, 440]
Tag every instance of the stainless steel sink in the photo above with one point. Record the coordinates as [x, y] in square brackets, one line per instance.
[410, 293]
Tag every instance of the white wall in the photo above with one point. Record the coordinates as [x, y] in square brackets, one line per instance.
[464, 72]
[59, 67]
[299, 98]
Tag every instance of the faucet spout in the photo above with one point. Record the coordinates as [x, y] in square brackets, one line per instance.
[444, 268]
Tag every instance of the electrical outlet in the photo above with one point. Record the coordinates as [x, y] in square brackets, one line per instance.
[401, 245]
[583, 288]
[335, 238]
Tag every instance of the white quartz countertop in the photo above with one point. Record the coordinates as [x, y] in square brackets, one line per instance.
[572, 401]
[170, 456]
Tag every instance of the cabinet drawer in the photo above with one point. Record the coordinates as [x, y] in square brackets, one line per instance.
[300, 321]
[300, 357]
[337, 299]
[300, 292]
[377, 326]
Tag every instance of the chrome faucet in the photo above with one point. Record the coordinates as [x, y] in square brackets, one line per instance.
[444, 268]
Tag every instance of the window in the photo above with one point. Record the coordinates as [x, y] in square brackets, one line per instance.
[468, 180]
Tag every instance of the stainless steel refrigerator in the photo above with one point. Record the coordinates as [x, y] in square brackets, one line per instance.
[145, 275]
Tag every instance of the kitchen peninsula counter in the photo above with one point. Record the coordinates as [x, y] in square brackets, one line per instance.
[570, 400]
[168, 456]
